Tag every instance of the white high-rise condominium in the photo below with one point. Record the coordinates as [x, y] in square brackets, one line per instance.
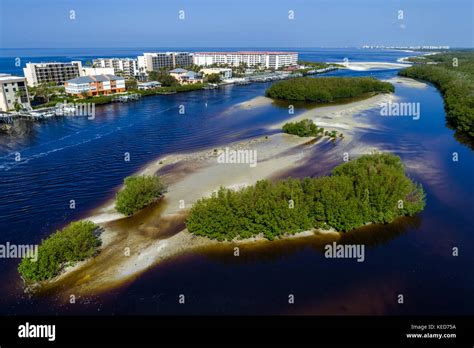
[265, 59]
[156, 60]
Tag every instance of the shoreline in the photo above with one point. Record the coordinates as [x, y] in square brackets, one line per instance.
[158, 232]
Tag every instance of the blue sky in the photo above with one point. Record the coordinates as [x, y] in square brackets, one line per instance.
[239, 23]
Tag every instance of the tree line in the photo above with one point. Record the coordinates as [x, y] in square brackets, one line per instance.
[453, 75]
[326, 89]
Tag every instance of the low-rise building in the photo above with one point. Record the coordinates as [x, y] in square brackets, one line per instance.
[186, 77]
[148, 85]
[13, 93]
[95, 85]
[225, 73]
[55, 72]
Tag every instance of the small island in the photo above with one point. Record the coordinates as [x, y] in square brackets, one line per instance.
[76, 242]
[80, 240]
[371, 189]
[327, 89]
[139, 192]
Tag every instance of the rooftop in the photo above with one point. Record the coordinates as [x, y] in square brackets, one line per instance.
[179, 71]
[8, 77]
[247, 52]
[94, 78]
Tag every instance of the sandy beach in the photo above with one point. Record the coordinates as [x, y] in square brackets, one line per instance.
[132, 245]
[363, 66]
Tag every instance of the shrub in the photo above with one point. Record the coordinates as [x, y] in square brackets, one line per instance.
[139, 192]
[76, 242]
[304, 128]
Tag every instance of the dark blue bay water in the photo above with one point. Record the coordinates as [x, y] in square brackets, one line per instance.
[81, 159]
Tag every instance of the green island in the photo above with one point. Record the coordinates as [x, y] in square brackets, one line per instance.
[303, 128]
[76, 242]
[80, 239]
[371, 189]
[327, 89]
[453, 74]
[139, 192]
[307, 128]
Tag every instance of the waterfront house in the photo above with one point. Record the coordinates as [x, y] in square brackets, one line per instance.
[225, 73]
[95, 85]
[148, 85]
[186, 77]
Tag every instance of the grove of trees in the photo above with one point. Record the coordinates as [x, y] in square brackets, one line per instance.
[326, 89]
[139, 192]
[371, 189]
[453, 75]
[303, 128]
[76, 242]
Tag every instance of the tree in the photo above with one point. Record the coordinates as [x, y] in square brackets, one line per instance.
[44, 91]
[131, 84]
[76, 242]
[213, 78]
[139, 192]
[163, 77]
[17, 106]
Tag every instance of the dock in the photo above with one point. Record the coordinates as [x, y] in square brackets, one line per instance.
[126, 98]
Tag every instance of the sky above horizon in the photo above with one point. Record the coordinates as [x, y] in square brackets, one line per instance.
[242, 23]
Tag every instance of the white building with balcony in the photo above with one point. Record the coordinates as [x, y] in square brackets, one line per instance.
[13, 93]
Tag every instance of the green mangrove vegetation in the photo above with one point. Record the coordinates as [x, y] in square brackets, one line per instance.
[139, 192]
[371, 189]
[453, 74]
[76, 242]
[303, 128]
[326, 89]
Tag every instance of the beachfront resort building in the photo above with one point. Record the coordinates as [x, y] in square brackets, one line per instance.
[269, 60]
[157, 60]
[225, 73]
[186, 77]
[95, 85]
[55, 72]
[127, 67]
[13, 93]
